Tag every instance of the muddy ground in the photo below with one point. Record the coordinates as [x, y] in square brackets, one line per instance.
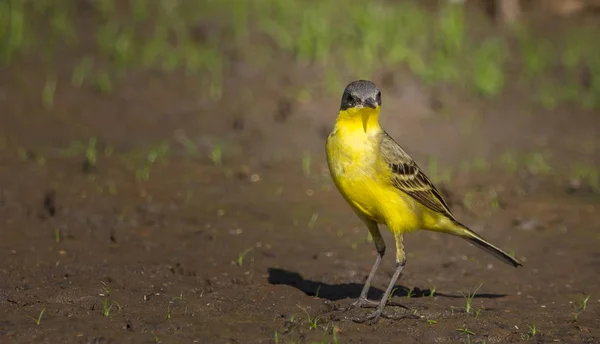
[261, 248]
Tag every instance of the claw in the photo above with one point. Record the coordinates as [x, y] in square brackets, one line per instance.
[372, 318]
[399, 317]
[396, 304]
[365, 303]
[361, 302]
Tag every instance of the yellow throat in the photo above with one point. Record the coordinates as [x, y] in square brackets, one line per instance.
[355, 118]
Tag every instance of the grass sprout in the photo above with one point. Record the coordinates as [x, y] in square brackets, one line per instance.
[189, 145]
[432, 291]
[532, 331]
[106, 306]
[583, 303]
[216, 154]
[467, 332]
[38, 320]
[312, 322]
[469, 299]
[242, 256]
[334, 333]
[105, 288]
[306, 164]
[91, 153]
[313, 220]
[169, 311]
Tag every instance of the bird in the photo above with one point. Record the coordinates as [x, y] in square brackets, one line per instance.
[385, 186]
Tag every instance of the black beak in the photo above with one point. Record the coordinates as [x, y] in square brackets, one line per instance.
[371, 102]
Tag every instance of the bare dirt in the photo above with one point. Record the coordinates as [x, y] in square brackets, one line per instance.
[166, 255]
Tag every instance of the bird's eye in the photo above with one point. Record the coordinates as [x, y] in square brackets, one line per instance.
[378, 95]
[349, 98]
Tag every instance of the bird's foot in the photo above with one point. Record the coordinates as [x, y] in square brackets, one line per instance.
[371, 318]
[363, 302]
[396, 304]
[374, 317]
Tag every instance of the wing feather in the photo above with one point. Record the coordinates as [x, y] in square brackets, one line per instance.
[408, 177]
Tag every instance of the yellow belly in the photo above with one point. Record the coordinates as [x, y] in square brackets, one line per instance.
[382, 204]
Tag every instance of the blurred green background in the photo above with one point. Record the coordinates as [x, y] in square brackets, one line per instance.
[440, 42]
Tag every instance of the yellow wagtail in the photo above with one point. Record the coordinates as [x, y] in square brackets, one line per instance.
[383, 185]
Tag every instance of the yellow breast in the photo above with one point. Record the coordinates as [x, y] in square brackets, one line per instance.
[352, 158]
[363, 179]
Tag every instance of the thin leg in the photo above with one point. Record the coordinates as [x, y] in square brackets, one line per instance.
[367, 286]
[400, 262]
[376, 314]
[380, 246]
[362, 300]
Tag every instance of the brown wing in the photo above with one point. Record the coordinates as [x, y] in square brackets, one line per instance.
[408, 177]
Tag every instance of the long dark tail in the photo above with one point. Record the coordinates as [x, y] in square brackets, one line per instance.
[480, 242]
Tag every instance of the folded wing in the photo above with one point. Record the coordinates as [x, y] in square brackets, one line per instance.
[408, 177]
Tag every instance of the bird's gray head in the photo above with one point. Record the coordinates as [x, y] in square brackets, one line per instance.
[360, 94]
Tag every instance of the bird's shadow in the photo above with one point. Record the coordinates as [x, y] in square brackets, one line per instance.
[336, 292]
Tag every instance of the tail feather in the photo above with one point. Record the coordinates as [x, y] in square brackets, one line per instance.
[480, 242]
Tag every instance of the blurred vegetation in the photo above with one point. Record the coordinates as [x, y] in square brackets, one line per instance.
[111, 38]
